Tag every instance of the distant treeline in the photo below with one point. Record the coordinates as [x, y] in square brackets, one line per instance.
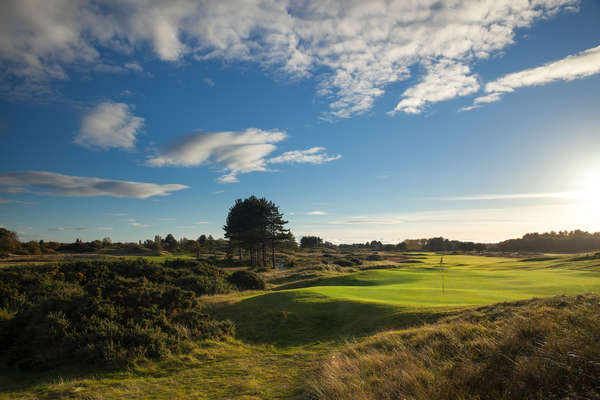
[563, 241]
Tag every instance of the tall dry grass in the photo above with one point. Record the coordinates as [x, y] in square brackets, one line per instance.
[538, 349]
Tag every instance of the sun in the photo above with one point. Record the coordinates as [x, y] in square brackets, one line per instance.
[590, 186]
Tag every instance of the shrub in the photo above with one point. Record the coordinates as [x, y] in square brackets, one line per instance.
[246, 280]
[374, 257]
[348, 263]
[343, 263]
[105, 312]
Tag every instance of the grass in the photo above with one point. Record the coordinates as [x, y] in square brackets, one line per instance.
[536, 349]
[210, 370]
[287, 334]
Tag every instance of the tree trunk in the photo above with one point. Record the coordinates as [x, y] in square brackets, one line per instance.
[273, 253]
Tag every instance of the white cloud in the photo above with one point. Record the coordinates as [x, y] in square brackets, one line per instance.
[103, 228]
[201, 222]
[569, 68]
[13, 190]
[355, 47]
[209, 82]
[138, 225]
[577, 66]
[68, 185]
[109, 125]
[314, 155]
[135, 66]
[316, 213]
[444, 80]
[8, 201]
[516, 196]
[237, 152]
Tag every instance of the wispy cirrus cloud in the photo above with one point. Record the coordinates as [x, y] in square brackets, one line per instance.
[51, 183]
[354, 48]
[235, 152]
[109, 125]
[516, 196]
[314, 155]
[474, 224]
[138, 225]
[9, 201]
[316, 213]
[577, 66]
[444, 80]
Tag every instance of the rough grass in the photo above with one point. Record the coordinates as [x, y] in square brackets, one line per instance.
[540, 349]
[210, 370]
[286, 337]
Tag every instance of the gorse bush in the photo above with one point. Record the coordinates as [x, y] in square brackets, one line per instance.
[348, 263]
[246, 280]
[536, 349]
[105, 312]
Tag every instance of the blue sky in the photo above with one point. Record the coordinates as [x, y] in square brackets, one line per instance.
[361, 120]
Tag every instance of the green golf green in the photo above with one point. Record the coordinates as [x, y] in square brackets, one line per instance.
[463, 281]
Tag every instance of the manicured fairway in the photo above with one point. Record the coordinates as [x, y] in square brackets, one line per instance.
[463, 281]
[343, 306]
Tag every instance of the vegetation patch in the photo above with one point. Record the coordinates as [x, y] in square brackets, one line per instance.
[246, 280]
[105, 312]
[537, 349]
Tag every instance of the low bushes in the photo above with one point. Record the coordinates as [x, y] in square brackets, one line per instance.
[105, 312]
[374, 257]
[348, 263]
[246, 280]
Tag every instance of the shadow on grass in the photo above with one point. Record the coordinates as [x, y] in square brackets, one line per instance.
[350, 280]
[294, 318]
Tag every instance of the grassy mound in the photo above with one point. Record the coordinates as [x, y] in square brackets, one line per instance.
[536, 349]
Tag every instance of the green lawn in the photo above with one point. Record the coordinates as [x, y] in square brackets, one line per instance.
[462, 281]
[340, 307]
[283, 335]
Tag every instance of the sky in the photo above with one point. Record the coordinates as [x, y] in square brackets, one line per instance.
[378, 120]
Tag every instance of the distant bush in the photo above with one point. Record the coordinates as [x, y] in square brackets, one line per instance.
[246, 280]
[344, 263]
[348, 262]
[105, 312]
[374, 257]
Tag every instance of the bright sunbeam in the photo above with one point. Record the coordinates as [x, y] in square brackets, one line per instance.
[590, 185]
[589, 194]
